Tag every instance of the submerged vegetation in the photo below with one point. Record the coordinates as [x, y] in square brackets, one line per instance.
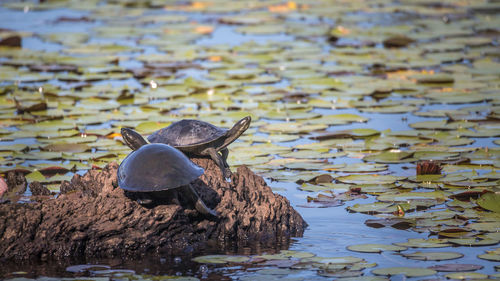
[346, 98]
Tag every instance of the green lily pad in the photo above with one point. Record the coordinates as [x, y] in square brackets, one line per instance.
[150, 126]
[292, 128]
[287, 254]
[35, 176]
[406, 271]
[323, 187]
[425, 243]
[490, 201]
[363, 278]
[433, 256]
[362, 168]
[454, 267]
[338, 119]
[405, 196]
[67, 147]
[369, 179]
[473, 241]
[221, 259]
[391, 157]
[485, 226]
[466, 275]
[375, 248]
[354, 133]
[442, 125]
[332, 260]
[490, 257]
[373, 208]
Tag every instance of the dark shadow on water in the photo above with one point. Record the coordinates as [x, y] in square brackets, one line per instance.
[149, 264]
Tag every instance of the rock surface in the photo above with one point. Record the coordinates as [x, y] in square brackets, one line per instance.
[38, 189]
[94, 218]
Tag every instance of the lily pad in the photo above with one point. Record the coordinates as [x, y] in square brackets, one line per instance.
[425, 243]
[490, 201]
[454, 267]
[221, 259]
[375, 248]
[406, 271]
[466, 275]
[433, 256]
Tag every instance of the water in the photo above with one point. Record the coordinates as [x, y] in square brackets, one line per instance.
[330, 230]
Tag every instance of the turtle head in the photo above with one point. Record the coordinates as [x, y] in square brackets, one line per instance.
[133, 139]
[241, 126]
[235, 132]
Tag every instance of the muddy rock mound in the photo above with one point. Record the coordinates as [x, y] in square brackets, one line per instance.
[94, 218]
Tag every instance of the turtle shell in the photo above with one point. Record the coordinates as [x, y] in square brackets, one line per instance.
[155, 167]
[187, 132]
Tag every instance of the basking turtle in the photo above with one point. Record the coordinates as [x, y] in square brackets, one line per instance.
[194, 137]
[153, 171]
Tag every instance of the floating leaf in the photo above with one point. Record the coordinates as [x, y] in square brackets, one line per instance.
[466, 275]
[35, 176]
[454, 267]
[388, 157]
[287, 254]
[291, 128]
[362, 168]
[425, 243]
[398, 223]
[66, 147]
[375, 248]
[332, 260]
[405, 196]
[433, 256]
[150, 126]
[406, 271]
[441, 125]
[490, 201]
[354, 133]
[373, 208]
[433, 78]
[473, 241]
[221, 259]
[369, 179]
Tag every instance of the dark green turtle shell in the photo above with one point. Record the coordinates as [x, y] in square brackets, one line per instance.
[155, 167]
[187, 132]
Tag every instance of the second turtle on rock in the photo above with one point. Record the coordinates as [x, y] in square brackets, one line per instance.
[155, 172]
[193, 137]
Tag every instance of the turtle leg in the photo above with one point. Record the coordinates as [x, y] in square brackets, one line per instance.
[219, 161]
[225, 153]
[198, 203]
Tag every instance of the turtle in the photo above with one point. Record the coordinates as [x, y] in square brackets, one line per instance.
[194, 137]
[156, 171]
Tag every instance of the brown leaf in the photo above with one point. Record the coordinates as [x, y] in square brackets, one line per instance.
[53, 170]
[467, 195]
[35, 107]
[398, 223]
[428, 167]
[397, 41]
[11, 41]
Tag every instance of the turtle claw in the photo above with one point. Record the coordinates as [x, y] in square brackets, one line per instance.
[202, 208]
[227, 173]
[144, 201]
